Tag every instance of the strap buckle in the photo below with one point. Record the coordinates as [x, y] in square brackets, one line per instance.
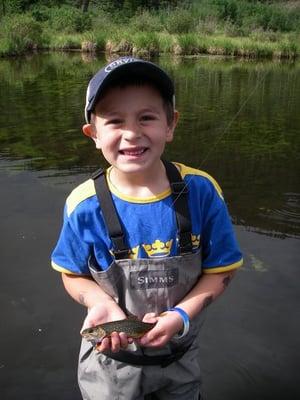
[185, 242]
[120, 249]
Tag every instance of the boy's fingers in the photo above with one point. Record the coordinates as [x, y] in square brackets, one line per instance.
[115, 342]
[104, 345]
[123, 340]
[150, 336]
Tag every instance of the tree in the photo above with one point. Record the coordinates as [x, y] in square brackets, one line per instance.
[3, 7]
[83, 5]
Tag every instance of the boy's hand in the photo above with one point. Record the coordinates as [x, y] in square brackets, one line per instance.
[168, 324]
[99, 314]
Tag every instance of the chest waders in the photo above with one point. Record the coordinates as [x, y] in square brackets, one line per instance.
[140, 286]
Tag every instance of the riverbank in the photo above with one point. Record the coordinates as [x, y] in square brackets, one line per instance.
[148, 44]
[231, 28]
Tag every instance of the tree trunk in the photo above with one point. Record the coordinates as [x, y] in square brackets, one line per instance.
[85, 5]
[3, 7]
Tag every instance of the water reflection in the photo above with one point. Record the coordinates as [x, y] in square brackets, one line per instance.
[239, 122]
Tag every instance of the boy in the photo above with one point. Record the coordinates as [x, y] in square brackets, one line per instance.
[134, 238]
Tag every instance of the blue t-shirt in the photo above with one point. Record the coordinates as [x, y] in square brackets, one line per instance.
[149, 225]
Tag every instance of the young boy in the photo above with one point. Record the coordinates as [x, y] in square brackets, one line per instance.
[145, 237]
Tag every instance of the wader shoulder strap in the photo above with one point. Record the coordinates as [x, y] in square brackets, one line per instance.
[180, 203]
[110, 215]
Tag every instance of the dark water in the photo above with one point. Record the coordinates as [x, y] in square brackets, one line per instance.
[240, 122]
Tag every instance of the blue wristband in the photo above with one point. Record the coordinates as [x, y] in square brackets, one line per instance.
[186, 321]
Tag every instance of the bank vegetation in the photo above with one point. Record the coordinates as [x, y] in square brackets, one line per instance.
[245, 28]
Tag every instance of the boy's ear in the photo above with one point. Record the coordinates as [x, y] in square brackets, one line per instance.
[172, 126]
[90, 131]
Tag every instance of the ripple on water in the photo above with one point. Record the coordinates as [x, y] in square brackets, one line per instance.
[288, 215]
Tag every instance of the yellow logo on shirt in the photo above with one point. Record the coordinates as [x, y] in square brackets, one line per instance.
[196, 241]
[133, 253]
[158, 248]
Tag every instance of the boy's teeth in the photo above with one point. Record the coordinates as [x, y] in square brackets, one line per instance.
[133, 152]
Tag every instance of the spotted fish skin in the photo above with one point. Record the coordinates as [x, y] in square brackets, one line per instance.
[133, 328]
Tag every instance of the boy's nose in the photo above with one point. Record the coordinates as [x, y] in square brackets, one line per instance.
[131, 132]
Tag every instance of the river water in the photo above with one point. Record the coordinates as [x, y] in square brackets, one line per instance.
[240, 122]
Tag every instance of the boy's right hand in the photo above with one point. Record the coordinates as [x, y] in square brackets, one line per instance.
[99, 314]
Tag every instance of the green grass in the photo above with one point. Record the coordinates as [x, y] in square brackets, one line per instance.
[166, 43]
[20, 34]
[65, 42]
[222, 27]
[94, 41]
[152, 43]
[145, 43]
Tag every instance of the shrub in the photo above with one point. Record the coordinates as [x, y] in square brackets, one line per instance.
[4, 48]
[233, 30]
[256, 14]
[98, 38]
[279, 21]
[188, 44]
[41, 13]
[103, 22]
[166, 42]
[144, 21]
[119, 41]
[251, 49]
[208, 25]
[227, 9]
[264, 35]
[225, 46]
[179, 21]
[145, 43]
[21, 33]
[69, 19]
[287, 49]
[66, 42]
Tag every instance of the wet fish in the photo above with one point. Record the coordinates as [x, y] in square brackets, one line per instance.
[133, 328]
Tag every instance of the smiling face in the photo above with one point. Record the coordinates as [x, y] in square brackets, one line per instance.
[130, 127]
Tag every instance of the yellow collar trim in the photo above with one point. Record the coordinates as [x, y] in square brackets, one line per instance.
[133, 199]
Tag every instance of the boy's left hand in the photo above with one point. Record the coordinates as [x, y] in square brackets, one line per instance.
[168, 324]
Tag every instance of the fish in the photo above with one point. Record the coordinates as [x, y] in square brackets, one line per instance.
[134, 328]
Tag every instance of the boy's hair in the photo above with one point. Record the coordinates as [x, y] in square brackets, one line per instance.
[127, 71]
[123, 82]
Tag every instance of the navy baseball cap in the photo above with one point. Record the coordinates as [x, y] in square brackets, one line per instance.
[124, 66]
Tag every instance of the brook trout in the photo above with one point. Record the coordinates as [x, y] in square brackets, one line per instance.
[133, 328]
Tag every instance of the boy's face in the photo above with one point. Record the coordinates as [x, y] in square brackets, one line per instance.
[130, 127]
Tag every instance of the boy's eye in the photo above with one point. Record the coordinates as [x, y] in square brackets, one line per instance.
[147, 117]
[114, 121]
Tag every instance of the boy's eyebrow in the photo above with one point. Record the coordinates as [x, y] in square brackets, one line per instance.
[149, 109]
[111, 113]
